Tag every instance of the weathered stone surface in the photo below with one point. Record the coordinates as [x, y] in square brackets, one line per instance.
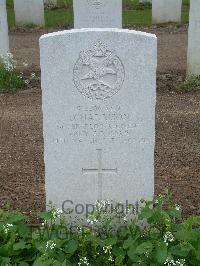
[29, 12]
[193, 65]
[164, 11]
[4, 40]
[99, 88]
[97, 13]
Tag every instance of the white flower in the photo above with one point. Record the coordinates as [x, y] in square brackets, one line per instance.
[92, 221]
[180, 262]
[7, 228]
[125, 218]
[7, 62]
[83, 261]
[171, 262]
[27, 81]
[25, 64]
[57, 213]
[50, 245]
[33, 75]
[168, 237]
[111, 259]
[178, 207]
[10, 55]
[107, 249]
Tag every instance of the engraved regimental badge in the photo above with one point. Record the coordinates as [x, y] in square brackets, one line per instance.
[98, 72]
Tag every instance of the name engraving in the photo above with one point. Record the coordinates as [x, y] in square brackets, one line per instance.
[97, 124]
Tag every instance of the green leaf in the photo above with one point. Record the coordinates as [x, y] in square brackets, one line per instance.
[184, 235]
[128, 243]
[119, 260]
[133, 256]
[23, 263]
[146, 213]
[71, 246]
[118, 251]
[4, 259]
[45, 215]
[66, 263]
[181, 250]
[197, 253]
[19, 245]
[144, 247]
[174, 213]
[154, 233]
[16, 217]
[161, 252]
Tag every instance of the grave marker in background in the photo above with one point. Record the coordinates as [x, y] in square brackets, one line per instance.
[164, 11]
[29, 12]
[99, 88]
[193, 64]
[97, 13]
[4, 39]
[145, 1]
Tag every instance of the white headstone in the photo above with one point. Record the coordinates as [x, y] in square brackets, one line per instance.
[193, 65]
[29, 12]
[145, 1]
[97, 13]
[4, 40]
[99, 88]
[164, 11]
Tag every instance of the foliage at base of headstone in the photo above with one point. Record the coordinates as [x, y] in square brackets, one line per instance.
[192, 83]
[10, 79]
[156, 235]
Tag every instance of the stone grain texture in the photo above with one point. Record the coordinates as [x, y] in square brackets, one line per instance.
[193, 63]
[4, 40]
[99, 115]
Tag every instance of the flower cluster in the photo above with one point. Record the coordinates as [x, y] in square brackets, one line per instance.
[7, 228]
[92, 221]
[11, 80]
[50, 245]
[32, 76]
[7, 62]
[171, 262]
[107, 250]
[83, 261]
[168, 237]
[178, 207]
[56, 213]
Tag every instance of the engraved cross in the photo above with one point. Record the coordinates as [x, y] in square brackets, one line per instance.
[99, 171]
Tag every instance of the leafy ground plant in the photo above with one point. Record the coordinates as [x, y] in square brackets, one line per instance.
[156, 235]
[191, 84]
[10, 79]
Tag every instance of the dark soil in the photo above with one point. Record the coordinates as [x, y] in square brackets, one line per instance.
[177, 155]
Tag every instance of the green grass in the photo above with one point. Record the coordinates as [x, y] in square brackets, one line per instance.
[132, 14]
[191, 83]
